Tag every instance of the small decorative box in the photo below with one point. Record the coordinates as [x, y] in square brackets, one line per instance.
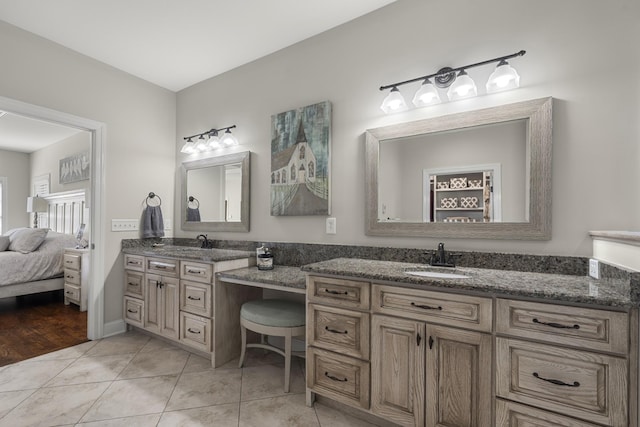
[468, 202]
[442, 184]
[458, 182]
[449, 202]
[474, 183]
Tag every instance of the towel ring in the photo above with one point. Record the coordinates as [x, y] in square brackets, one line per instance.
[153, 195]
[193, 199]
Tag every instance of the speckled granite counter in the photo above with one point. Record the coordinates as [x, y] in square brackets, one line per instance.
[191, 253]
[561, 288]
[281, 277]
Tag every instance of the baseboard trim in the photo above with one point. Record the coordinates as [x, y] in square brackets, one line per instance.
[114, 328]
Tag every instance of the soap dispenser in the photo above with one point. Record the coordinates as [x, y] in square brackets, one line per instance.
[265, 260]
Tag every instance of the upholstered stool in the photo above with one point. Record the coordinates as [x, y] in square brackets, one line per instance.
[275, 317]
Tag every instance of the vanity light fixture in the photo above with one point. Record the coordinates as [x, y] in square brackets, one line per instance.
[460, 84]
[209, 140]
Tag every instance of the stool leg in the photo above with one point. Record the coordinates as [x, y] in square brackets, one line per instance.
[287, 361]
[243, 332]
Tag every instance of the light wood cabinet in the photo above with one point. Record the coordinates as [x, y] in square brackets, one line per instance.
[175, 297]
[162, 308]
[76, 277]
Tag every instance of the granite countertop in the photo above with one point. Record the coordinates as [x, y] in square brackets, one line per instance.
[557, 287]
[186, 252]
[289, 277]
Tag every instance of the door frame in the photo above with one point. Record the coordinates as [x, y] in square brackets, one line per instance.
[98, 131]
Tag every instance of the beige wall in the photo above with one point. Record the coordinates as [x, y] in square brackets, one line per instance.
[15, 166]
[571, 48]
[140, 129]
[47, 161]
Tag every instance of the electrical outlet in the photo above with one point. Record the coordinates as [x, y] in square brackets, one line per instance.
[331, 226]
[594, 268]
[124, 224]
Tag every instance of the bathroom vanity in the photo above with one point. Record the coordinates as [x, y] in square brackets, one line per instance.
[424, 346]
[171, 292]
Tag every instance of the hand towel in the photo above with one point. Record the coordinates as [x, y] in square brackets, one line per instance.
[193, 214]
[152, 224]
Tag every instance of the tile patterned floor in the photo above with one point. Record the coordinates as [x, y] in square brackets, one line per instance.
[135, 380]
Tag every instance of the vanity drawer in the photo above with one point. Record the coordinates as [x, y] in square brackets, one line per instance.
[195, 331]
[580, 384]
[581, 327]
[510, 414]
[133, 282]
[338, 292]
[164, 267]
[71, 276]
[462, 311]
[72, 261]
[133, 310]
[336, 329]
[199, 272]
[134, 262]
[196, 298]
[339, 377]
[72, 292]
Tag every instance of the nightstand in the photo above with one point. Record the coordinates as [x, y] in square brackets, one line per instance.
[76, 277]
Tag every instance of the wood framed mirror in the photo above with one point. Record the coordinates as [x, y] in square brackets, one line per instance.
[216, 193]
[482, 174]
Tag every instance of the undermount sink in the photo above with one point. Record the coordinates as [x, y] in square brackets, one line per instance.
[437, 275]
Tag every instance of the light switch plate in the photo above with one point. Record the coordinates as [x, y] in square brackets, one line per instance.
[594, 268]
[331, 226]
[124, 224]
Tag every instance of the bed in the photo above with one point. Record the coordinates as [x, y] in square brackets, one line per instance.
[41, 269]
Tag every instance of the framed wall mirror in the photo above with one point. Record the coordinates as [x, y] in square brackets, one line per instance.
[478, 174]
[215, 193]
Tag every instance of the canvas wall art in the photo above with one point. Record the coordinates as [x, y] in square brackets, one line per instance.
[75, 168]
[301, 161]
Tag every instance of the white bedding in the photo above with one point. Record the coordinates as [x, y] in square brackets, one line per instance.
[43, 263]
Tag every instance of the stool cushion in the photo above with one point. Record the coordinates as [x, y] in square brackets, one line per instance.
[274, 312]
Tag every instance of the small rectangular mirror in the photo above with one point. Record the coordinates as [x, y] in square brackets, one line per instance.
[215, 193]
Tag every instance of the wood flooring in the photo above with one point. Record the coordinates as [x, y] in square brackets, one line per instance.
[33, 325]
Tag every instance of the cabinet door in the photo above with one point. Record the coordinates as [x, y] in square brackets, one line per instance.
[458, 366]
[170, 307]
[397, 370]
[152, 303]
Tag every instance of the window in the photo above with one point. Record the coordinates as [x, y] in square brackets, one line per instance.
[3, 203]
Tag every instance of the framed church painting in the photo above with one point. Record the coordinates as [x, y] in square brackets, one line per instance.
[301, 161]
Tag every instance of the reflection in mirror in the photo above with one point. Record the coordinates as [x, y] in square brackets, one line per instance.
[215, 193]
[480, 174]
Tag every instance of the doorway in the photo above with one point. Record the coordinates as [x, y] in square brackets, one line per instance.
[95, 311]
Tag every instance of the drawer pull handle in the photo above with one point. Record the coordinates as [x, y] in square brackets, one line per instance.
[193, 331]
[193, 299]
[69, 276]
[331, 377]
[132, 311]
[556, 325]
[195, 271]
[335, 331]
[132, 284]
[68, 292]
[332, 292]
[426, 307]
[556, 382]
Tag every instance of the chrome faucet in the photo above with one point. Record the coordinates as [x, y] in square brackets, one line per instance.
[440, 258]
[206, 243]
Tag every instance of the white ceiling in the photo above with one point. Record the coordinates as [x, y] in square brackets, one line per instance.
[173, 44]
[19, 133]
[176, 44]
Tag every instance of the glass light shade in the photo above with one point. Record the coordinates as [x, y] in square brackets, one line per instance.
[188, 147]
[426, 95]
[228, 139]
[214, 141]
[504, 77]
[394, 102]
[463, 87]
[201, 145]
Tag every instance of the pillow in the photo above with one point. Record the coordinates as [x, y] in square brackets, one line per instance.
[13, 230]
[4, 243]
[27, 240]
